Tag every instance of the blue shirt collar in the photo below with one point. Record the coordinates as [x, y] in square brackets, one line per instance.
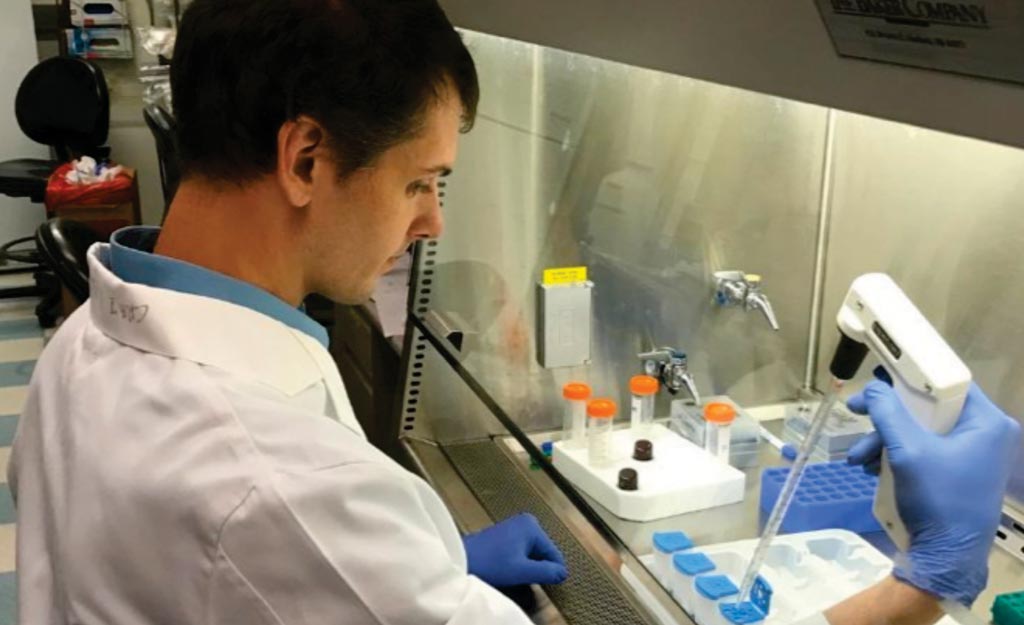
[132, 260]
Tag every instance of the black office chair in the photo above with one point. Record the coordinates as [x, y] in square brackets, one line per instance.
[63, 245]
[62, 103]
[161, 124]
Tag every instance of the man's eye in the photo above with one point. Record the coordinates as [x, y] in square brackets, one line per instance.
[420, 187]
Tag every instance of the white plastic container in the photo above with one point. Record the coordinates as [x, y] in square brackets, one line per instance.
[600, 417]
[664, 546]
[93, 13]
[642, 389]
[717, 433]
[844, 428]
[710, 590]
[574, 420]
[100, 43]
[686, 566]
[687, 418]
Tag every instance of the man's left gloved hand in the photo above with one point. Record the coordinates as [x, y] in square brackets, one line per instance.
[514, 552]
[949, 488]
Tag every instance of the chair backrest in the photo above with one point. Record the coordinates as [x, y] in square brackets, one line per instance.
[63, 102]
[63, 244]
[161, 124]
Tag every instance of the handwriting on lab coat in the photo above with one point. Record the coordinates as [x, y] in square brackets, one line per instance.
[129, 312]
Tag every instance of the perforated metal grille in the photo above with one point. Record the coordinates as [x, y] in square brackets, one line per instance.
[588, 596]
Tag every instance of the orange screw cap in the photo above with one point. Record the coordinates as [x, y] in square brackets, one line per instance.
[576, 390]
[719, 413]
[643, 385]
[601, 408]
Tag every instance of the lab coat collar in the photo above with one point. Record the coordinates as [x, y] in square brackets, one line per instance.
[132, 259]
[206, 330]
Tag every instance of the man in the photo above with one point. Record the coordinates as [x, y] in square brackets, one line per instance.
[188, 455]
[187, 452]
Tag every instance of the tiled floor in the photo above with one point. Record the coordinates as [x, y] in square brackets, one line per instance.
[21, 341]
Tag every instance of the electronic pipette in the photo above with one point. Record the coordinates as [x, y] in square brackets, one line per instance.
[926, 373]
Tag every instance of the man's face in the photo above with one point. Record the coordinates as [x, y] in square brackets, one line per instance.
[362, 224]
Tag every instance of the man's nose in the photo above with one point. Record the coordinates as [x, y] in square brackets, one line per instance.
[430, 224]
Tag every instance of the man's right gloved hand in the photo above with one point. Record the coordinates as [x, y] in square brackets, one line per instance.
[514, 552]
[949, 489]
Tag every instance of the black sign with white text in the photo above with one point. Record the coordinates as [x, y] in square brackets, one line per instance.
[975, 37]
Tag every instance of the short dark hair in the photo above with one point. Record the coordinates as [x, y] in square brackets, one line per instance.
[367, 70]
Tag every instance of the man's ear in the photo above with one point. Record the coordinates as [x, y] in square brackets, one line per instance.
[300, 143]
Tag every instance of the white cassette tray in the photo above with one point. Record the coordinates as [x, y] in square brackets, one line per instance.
[809, 572]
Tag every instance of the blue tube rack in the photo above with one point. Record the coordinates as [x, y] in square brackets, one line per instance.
[831, 495]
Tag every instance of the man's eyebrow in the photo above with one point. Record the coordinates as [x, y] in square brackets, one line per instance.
[442, 170]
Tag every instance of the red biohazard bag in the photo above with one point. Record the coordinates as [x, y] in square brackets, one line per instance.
[60, 192]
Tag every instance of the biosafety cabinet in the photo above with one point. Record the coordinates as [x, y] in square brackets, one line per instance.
[706, 179]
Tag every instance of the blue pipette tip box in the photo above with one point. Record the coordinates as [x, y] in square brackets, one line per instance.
[669, 542]
[692, 564]
[745, 613]
[715, 587]
[831, 495]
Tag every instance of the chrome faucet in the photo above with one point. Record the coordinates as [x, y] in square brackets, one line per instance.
[735, 288]
[670, 367]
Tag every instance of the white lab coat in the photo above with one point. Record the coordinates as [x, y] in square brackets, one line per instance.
[182, 459]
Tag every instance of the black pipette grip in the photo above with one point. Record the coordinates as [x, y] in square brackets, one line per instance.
[848, 358]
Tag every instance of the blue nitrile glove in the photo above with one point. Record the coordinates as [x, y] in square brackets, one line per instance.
[514, 552]
[949, 489]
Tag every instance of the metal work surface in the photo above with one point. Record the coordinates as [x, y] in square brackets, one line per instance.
[744, 520]
[450, 402]
[427, 459]
[591, 595]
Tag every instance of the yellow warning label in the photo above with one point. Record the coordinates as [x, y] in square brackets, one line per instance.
[565, 275]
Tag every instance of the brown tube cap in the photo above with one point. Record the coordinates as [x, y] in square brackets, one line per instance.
[628, 479]
[643, 450]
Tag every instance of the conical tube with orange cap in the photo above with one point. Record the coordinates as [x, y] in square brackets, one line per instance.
[601, 413]
[642, 389]
[574, 419]
[718, 430]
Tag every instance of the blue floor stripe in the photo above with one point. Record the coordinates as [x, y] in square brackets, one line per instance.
[6, 504]
[8, 425]
[12, 374]
[8, 598]
[16, 373]
[20, 329]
